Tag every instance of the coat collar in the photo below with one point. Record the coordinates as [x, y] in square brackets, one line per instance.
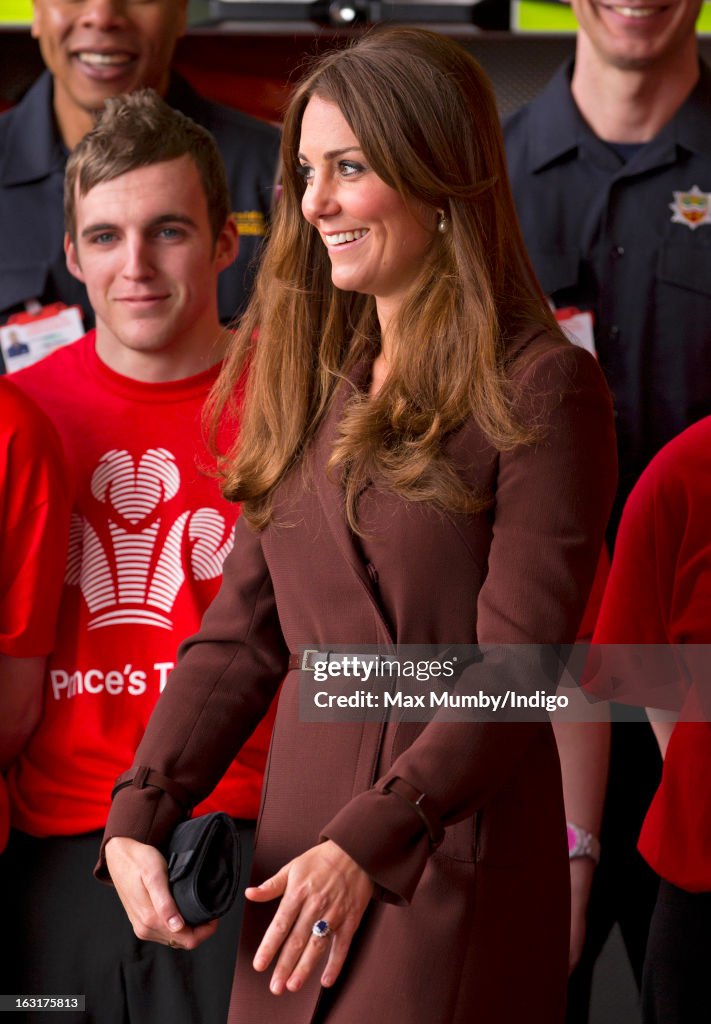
[554, 138]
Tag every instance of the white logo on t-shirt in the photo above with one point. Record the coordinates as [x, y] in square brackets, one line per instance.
[133, 573]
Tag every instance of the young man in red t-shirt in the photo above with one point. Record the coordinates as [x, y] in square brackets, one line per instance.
[148, 232]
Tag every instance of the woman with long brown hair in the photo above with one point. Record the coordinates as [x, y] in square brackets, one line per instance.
[422, 459]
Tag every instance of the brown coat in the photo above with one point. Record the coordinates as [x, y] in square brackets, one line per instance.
[476, 931]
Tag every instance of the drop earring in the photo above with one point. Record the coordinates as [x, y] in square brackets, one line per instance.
[442, 222]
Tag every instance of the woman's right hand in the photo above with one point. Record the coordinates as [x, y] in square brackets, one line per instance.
[140, 875]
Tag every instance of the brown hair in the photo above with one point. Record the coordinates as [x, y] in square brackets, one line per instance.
[139, 130]
[425, 117]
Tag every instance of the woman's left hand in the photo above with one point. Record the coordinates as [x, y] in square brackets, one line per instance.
[323, 884]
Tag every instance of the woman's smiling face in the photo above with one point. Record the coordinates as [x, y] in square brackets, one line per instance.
[377, 242]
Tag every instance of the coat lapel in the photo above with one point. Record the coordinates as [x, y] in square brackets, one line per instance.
[330, 491]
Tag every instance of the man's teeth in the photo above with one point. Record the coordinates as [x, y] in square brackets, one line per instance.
[635, 12]
[346, 236]
[104, 59]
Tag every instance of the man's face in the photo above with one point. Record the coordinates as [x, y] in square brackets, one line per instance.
[144, 249]
[100, 48]
[637, 34]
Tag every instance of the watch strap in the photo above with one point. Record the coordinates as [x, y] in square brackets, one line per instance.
[582, 843]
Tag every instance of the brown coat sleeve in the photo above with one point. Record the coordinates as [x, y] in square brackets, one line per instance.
[202, 719]
[551, 508]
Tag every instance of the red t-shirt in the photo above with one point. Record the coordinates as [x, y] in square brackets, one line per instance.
[149, 534]
[659, 592]
[34, 516]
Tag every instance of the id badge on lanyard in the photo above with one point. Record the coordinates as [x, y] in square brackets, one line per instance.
[30, 336]
[579, 326]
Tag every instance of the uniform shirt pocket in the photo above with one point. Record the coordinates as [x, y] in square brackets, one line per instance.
[686, 268]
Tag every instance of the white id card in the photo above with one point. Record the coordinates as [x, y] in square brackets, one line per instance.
[32, 338]
[578, 326]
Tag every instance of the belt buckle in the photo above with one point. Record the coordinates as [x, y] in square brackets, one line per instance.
[306, 662]
[310, 655]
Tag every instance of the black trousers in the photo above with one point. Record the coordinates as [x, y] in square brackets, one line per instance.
[69, 935]
[675, 989]
[624, 888]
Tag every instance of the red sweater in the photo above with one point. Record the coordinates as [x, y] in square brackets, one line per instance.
[659, 592]
[34, 521]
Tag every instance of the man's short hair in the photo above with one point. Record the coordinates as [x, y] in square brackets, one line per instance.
[139, 130]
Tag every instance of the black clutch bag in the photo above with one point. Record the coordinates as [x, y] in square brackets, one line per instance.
[203, 867]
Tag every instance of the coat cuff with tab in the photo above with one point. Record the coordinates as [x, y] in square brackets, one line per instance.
[389, 835]
[148, 815]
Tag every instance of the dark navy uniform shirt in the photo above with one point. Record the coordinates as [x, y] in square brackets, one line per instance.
[32, 161]
[630, 241]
